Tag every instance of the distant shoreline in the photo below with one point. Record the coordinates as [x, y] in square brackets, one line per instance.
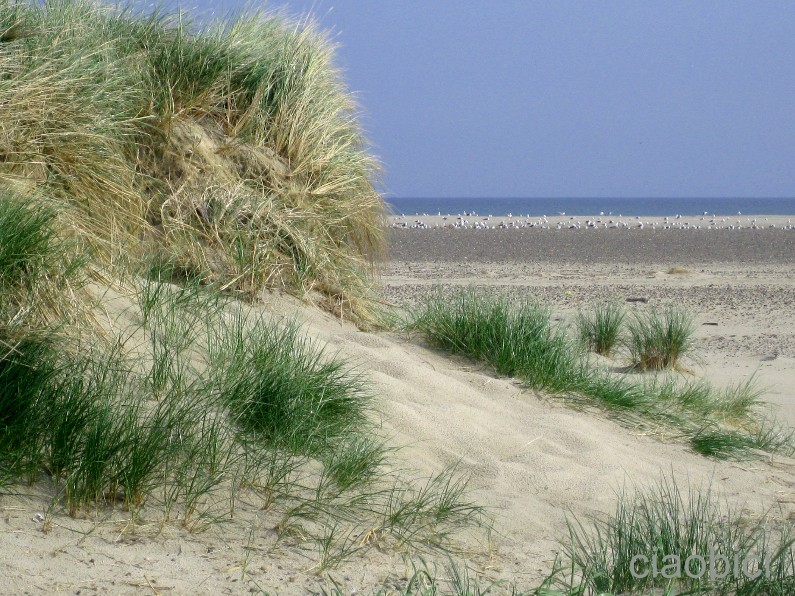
[645, 207]
[631, 246]
[476, 221]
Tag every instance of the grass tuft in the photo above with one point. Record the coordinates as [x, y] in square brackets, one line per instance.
[28, 366]
[41, 274]
[600, 331]
[517, 340]
[721, 443]
[284, 390]
[664, 540]
[659, 341]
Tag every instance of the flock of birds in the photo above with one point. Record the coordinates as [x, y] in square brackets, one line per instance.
[473, 221]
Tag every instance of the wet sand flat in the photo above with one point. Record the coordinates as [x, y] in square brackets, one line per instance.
[605, 246]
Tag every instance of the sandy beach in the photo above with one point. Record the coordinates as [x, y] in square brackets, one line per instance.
[533, 460]
[219, 370]
[739, 284]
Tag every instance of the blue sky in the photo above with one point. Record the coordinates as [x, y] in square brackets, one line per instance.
[512, 98]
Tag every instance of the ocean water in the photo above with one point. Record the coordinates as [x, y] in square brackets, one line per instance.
[593, 206]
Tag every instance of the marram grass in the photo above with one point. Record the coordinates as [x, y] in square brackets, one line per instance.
[661, 539]
[41, 274]
[517, 340]
[659, 340]
[665, 539]
[230, 149]
[600, 330]
[282, 389]
[520, 340]
[199, 407]
[190, 406]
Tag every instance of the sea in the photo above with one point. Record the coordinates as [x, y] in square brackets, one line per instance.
[536, 207]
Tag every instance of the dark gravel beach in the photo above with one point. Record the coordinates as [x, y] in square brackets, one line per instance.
[686, 247]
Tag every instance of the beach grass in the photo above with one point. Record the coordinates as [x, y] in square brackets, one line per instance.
[27, 245]
[41, 273]
[659, 340]
[520, 340]
[600, 329]
[285, 391]
[201, 402]
[40, 281]
[27, 368]
[230, 149]
[659, 539]
[517, 340]
[667, 539]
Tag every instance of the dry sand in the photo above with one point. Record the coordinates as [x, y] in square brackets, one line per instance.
[739, 284]
[533, 460]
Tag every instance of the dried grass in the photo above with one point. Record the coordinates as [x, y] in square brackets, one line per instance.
[231, 150]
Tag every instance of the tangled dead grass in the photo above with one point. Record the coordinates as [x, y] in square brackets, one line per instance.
[230, 152]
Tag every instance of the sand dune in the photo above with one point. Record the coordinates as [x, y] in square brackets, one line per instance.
[533, 459]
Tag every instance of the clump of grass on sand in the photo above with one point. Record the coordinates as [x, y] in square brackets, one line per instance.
[664, 540]
[283, 390]
[520, 340]
[202, 405]
[600, 330]
[41, 274]
[517, 340]
[659, 340]
[230, 149]
[659, 540]
[225, 158]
